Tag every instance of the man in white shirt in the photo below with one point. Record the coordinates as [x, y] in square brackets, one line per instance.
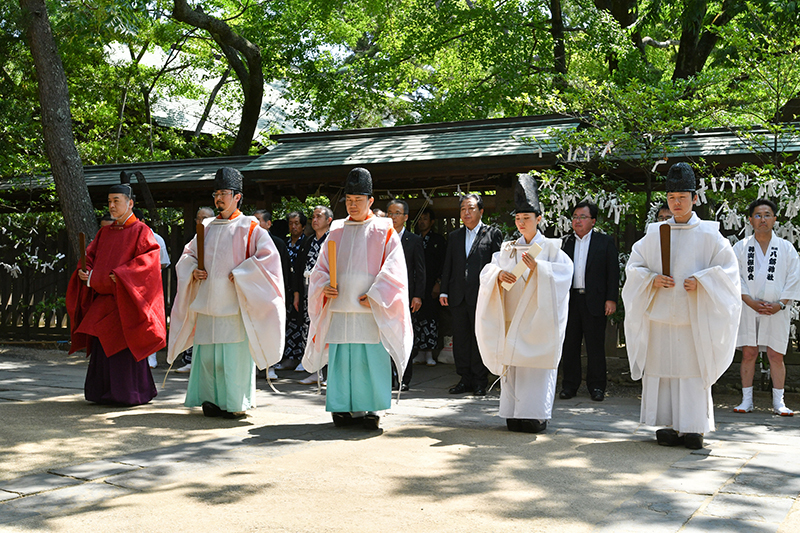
[469, 249]
[595, 289]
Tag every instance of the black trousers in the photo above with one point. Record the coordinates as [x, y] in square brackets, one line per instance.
[469, 364]
[583, 326]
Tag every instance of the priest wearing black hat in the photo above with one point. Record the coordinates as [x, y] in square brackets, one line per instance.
[232, 310]
[116, 306]
[362, 319]
[681, 325]
[522, 315]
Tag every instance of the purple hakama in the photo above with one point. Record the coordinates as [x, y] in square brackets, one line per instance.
[119, 379]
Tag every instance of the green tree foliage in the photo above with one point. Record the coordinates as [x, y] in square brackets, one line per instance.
[637, 69]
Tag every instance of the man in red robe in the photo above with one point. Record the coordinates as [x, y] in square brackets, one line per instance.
[116, 307]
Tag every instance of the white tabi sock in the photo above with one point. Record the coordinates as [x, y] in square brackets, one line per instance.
[777, 404]
[747, 401]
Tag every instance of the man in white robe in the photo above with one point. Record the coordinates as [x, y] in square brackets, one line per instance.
[233, 310]
[770, 274]
[680, 339]
[363, 321]
[520, 332]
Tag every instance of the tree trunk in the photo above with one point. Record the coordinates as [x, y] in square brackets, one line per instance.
[559, 48]
[248, 71]
[66, 165]
[696, 43]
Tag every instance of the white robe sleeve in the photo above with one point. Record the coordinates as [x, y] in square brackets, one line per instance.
[637, 295]
[260, 290]
[714, 311]
[316, 354]
[536, 329]
[182, 318]
[388, 297]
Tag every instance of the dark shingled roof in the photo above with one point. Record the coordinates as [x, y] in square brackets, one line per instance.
[429, 151]
[485, 154]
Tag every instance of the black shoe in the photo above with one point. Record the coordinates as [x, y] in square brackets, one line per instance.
[479, 391]
[531, 425]
[404, 387]
[668, 437]
[346, 419]
[597, 395]
[233, 416]
[371, 421]
[341, 420]
[693, 441]
[513, 424]
[212, 410]
[566, 394]
[461, 388]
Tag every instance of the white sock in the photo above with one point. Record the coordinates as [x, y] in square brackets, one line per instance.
[747, 400]
[777, 402]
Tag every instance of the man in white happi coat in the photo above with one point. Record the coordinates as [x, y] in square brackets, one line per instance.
[681, 339]
[363, 321]
[520, 331]
[233, 310]
[770, 273]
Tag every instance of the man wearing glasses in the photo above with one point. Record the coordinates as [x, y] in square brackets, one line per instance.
[663, 214]
[232, 310]
[595, 289]
[770, 270]
[414, 253]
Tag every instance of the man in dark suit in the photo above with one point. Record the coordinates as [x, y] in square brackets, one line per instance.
[469, 248]
[594, 294]
[414, 252]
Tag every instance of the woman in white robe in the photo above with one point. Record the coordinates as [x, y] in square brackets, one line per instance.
[520, 331]
[770, 274]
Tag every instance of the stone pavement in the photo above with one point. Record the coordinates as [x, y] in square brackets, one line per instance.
[439, 463]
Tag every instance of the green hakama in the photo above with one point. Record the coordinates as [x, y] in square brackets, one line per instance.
[223, 374]
[359, 378]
